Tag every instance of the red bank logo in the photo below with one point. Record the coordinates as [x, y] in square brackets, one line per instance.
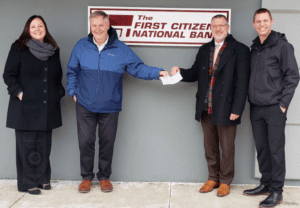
[162, 27]
[118, 21]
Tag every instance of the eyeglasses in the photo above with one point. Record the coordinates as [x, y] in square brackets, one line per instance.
[220, 26]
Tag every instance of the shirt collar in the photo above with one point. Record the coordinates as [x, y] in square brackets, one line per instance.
[103, 45]
[221, 43]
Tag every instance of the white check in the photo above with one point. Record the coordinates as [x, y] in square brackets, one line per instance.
[171, 79]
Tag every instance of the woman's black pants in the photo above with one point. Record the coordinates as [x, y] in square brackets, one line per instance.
[33, 162]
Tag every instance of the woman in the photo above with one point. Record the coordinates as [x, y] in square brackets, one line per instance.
[33, 76]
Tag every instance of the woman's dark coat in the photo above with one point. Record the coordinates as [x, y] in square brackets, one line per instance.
[231, 84]
[42, 89]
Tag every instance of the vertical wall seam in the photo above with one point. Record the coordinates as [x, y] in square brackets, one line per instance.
[170, 194]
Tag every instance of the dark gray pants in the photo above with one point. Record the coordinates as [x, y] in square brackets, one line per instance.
[32, 154]
[268, 125]
[107, 128]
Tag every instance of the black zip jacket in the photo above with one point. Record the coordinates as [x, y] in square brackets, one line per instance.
[274, 71]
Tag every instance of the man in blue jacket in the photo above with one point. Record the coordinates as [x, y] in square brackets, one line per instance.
[274, 78]
[94, 76]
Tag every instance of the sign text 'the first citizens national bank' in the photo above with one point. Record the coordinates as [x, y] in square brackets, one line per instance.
[161, 26]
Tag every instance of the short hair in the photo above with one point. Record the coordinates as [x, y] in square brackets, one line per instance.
[220, 16]
[100, 13]
[260, 11]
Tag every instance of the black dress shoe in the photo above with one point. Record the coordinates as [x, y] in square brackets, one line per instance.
[272, 200]
[259, 190]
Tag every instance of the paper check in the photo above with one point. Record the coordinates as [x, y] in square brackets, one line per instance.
[171, 79]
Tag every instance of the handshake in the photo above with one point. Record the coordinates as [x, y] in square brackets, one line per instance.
[166, 79]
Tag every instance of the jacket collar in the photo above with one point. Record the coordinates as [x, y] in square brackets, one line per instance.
[227, 53]
[231, 43]
[270, 41]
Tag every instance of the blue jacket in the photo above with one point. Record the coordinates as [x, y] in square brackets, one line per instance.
[96, 78]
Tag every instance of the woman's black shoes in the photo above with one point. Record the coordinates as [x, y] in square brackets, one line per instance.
[45, 186]
[34, 191]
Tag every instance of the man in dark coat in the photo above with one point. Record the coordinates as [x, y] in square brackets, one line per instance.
[274, 78]
[222, 69]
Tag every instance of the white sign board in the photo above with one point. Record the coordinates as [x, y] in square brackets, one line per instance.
[161, 26]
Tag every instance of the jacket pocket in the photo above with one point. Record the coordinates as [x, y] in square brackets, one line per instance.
[278, 109]
[24, 97]
[52, 93]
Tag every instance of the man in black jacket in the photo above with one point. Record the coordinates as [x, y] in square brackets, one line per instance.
[274, 78]
[222, 69]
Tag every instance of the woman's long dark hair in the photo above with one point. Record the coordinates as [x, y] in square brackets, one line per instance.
[25, 36]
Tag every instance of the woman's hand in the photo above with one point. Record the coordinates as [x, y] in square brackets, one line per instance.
[20, 96]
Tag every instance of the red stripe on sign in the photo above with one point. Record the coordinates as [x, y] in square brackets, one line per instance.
[128, 33]
[120, 20]
[157, 10]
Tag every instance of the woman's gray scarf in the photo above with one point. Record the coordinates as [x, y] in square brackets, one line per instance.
[40, 50]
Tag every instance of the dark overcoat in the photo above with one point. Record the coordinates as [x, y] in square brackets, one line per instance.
[42, 89]
[231, 84]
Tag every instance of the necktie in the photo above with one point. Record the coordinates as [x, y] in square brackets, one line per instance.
[216, 53]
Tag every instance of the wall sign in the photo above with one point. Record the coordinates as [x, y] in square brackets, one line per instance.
[161, 26]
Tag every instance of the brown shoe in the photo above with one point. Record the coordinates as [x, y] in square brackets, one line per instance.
[209, 186]
[85, 186]
[223, 190]
[106, 186]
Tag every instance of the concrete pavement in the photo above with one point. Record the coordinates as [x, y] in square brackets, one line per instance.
[64, 194]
